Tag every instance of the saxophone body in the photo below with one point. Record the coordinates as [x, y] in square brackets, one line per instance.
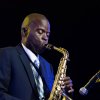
[56, 93]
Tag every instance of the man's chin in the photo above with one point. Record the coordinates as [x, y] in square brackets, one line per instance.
[41, 50]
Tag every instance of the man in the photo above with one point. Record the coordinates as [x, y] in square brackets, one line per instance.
[19, 75]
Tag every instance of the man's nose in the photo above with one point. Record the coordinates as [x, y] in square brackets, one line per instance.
[45, 37]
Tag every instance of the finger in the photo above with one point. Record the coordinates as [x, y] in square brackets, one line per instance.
[71, 90]
[69, 85]
[69, 82]
[65, 78]
[63, 86]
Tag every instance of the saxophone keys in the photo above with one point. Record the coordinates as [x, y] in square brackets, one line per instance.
[58, 87]
[62, 70]
[62, 76]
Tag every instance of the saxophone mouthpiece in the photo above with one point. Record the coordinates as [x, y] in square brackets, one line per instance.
[49, 46]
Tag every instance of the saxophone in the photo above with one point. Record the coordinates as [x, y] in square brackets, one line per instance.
[56, 93]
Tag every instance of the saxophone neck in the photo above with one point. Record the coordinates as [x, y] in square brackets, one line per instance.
[59, 49]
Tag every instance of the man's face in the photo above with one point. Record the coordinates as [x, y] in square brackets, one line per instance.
[39, 35]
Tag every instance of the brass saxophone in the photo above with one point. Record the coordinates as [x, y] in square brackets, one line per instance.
[56, 93]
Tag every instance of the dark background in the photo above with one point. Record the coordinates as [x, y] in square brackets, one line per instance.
[75, 25]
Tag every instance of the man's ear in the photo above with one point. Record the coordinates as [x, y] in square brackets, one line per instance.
[25, 31]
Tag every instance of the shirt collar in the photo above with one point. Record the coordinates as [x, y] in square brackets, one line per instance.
[31, 55]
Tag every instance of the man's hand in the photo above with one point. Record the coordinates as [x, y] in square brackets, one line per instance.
[66, 82]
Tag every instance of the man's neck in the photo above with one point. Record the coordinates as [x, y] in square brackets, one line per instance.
[30, 48]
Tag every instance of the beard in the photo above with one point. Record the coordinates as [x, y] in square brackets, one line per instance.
[37, 48]
[40, 48]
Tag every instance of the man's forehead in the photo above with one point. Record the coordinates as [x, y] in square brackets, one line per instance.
[29, 21]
